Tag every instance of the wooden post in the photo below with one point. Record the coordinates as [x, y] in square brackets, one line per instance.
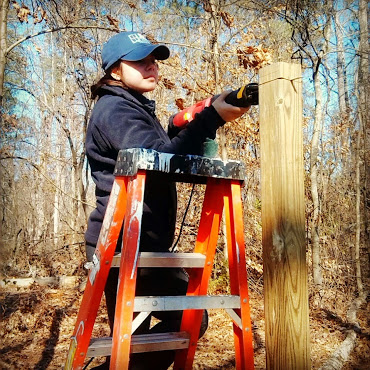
[283, 217]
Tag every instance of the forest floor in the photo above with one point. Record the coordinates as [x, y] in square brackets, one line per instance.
[36, 324]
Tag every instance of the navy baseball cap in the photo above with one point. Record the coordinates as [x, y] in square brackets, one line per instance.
[131, 46]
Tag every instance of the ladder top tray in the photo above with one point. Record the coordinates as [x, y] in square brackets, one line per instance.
[183, 168]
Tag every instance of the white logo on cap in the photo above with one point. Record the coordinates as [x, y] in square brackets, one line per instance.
[138, 37]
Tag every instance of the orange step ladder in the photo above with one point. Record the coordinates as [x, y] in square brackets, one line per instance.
[223, 192]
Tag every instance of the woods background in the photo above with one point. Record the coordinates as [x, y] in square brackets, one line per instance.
[50, 56]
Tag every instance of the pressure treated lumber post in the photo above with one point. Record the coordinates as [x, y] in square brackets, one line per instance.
[283, 223]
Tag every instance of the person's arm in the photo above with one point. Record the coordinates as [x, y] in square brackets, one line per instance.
[128, 127]
[226, 111]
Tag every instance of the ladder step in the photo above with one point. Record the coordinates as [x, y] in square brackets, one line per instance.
[175, 303]
[166, 259]
[141, 343]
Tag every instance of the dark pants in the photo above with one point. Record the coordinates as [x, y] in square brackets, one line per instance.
[151, 282]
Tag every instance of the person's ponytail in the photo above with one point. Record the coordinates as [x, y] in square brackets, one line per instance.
[107, 79]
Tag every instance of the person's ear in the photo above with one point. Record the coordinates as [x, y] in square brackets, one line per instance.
[115, 72]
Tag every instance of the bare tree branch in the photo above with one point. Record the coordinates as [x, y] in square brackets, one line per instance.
[36, 167]
[11, 47]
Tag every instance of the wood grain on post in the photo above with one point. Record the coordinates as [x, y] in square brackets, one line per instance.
[283, 217]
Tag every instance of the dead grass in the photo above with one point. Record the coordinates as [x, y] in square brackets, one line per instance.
[37, 322]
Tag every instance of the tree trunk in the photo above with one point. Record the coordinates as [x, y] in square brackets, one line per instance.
[58, 154]
[56, 212]
[214, 32]
[361, 139]
[314, 172]
[4, 7]
[358, 211]
[315, 238]
[342, 76]
[342, 353]
[342, 89]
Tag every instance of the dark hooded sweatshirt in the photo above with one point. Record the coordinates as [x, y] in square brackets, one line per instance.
[123, 119]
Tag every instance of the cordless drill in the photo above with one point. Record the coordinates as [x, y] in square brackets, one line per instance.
[246, 96]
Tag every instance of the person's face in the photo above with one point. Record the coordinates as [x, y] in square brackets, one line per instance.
[141, 75]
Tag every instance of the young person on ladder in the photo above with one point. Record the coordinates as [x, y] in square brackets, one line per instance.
[124, 118]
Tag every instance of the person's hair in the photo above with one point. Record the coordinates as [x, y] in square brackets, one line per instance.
[107, 79]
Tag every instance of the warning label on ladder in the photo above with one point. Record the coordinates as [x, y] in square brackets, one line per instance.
[95, 268]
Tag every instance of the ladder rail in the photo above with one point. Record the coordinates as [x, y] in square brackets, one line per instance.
[238, 276]
[127, 272]
[98, 275]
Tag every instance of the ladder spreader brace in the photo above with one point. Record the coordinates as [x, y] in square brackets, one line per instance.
[223, 193]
